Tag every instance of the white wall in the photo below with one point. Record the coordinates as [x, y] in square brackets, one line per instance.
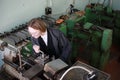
[16, 12]
[116, 4]
[81, 4]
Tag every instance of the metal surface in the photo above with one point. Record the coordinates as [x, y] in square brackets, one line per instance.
[79, 74]
[54, 66]
[106, 40]
[11, 71]
[33, 71]
[9, 40]
[21, 35]
[16, 36]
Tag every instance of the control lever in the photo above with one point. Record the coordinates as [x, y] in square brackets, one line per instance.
[42, 59]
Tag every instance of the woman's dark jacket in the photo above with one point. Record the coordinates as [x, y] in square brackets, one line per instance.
[60, 42]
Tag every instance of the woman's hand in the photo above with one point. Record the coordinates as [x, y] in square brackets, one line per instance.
[36, 48]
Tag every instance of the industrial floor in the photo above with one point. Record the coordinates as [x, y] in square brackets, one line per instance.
[113, 66]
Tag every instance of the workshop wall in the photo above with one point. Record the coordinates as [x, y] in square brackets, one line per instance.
[16, 12]
[116, 4]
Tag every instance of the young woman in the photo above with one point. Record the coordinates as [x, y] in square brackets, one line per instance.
[49, 40]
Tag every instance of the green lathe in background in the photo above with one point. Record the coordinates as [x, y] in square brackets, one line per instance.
[89, 41]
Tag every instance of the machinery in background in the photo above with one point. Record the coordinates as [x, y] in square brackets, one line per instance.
[94, 41]
[104, 16]
[101, 15]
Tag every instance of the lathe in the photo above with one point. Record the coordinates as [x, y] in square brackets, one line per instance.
[25, 66]
[94, 41]
[21, 64]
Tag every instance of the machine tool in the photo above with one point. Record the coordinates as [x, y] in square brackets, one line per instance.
[31, 68]
[104, 16]
[94, 41]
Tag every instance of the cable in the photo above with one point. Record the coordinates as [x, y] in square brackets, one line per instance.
[89, 72]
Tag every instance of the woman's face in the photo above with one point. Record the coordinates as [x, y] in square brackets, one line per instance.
[34, 32]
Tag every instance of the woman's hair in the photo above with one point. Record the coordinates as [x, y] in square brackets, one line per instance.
[37, 24]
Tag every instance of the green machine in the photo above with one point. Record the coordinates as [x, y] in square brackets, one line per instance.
[94, 41]
[105, 16]
[101, 16]
[26, 50]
